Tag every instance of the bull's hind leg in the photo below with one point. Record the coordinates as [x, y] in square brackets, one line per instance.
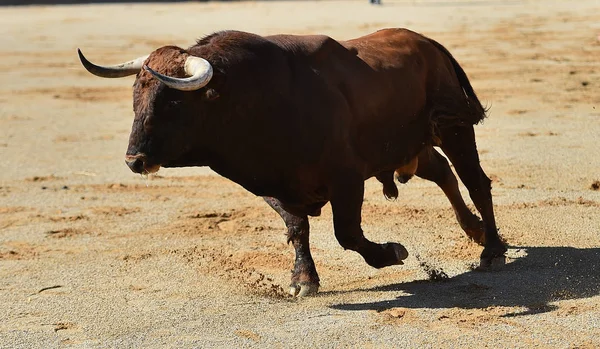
[346, 204]
[434, 167]
[305, 280]
[458, 143]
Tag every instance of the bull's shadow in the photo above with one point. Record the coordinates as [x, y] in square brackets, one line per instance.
[544, 275]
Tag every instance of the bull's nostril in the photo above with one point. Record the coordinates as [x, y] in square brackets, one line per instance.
[136, 165]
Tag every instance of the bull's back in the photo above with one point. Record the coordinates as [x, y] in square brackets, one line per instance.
[376, 88]
[377, 74]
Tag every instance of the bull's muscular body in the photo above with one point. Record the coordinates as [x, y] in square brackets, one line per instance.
[305, 120]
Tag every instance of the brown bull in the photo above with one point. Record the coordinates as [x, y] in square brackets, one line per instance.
[305, 120]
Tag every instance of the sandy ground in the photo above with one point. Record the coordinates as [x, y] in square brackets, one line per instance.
[92, 256]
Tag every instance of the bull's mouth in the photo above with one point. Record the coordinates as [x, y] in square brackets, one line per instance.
[148, 169]
[139, 163]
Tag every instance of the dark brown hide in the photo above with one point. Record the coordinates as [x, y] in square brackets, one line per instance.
[304, 120]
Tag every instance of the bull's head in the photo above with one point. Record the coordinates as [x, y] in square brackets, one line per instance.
[164, 104]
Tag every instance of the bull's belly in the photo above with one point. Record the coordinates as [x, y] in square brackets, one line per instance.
[392, 157]
[301, 192]
[392, 145]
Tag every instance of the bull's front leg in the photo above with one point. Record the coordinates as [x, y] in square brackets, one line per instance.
[305, 280]
[346, 204]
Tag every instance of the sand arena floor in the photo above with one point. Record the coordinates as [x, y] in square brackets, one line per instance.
[92, 256]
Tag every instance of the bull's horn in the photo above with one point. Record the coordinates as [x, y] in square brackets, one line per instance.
[115, 71]
[199, 68]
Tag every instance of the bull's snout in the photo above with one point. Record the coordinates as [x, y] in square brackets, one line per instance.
[139, 164]
[136, 162]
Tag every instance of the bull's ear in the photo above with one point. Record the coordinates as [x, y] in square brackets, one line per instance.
[211, 94]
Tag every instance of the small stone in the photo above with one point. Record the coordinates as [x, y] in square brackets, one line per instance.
[397, 312]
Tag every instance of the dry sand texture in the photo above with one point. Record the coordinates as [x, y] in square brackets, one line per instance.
[91, 256]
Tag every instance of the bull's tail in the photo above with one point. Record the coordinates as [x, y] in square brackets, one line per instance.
[475, 112]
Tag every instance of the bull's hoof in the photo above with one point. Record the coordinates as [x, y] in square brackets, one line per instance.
[304, 289]
[384, 255]
[400, 251]
[490, 264]
[493, 257]
[395, 254]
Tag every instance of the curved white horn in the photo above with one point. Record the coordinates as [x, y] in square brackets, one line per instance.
[199, 68]
[115, 71]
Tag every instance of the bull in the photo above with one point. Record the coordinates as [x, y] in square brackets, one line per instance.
[303, 121]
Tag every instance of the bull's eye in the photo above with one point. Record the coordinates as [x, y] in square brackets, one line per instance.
[147, 125]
